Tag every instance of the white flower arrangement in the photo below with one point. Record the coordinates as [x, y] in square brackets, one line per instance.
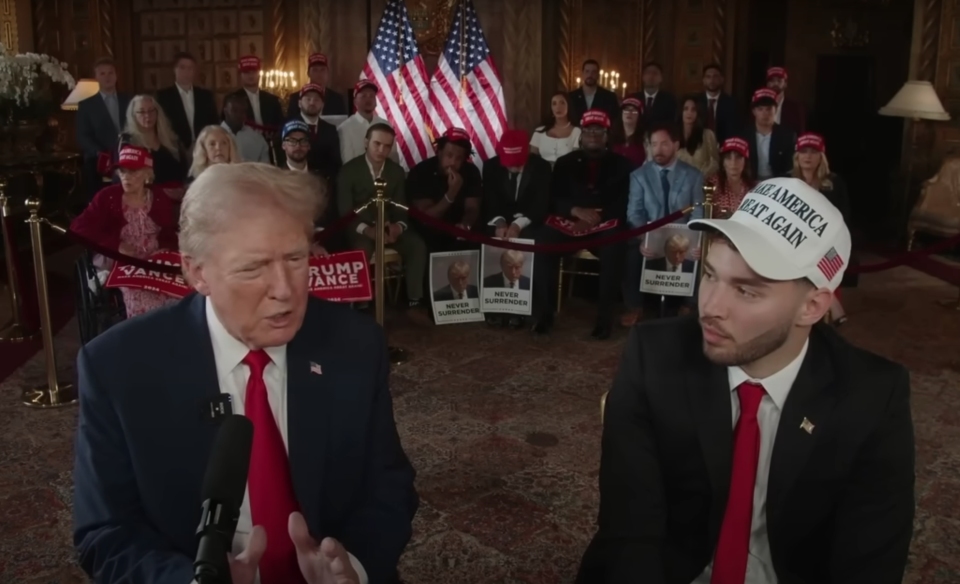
[23, 77]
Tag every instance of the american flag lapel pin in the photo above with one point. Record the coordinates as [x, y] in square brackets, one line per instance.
[317, 370]
[807, 426]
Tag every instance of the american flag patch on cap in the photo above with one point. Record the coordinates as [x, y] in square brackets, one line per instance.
[830, 264]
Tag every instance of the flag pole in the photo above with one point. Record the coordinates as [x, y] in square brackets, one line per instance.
[463, 50]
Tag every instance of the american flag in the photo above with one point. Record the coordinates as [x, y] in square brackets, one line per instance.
[465, 89]
[315, 368]
[830, 264]
[396, 66]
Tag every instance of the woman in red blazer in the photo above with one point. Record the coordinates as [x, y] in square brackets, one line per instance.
[134, 218]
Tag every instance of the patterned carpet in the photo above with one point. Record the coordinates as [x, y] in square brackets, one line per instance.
[504, 431]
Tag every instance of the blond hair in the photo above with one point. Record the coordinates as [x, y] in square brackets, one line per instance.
[168, 139]
[200, 159]
[823, 171]
[223, 190]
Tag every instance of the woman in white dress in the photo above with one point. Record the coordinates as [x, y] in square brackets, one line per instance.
[557, 136]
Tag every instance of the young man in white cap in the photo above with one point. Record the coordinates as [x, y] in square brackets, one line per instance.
[751, 443]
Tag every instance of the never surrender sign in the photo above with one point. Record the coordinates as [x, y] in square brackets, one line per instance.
[341, 277]
[126, 276]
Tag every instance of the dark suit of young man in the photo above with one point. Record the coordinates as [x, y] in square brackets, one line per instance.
[603, 99]
[271, 112]
[783, 144]
[659, 108]
[98, 135]
[204, 112]
[524, 198]
[725, 119]
[334, 104]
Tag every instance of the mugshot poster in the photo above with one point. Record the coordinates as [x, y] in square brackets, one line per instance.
[507, 280]
[673, 270]
[455, 287]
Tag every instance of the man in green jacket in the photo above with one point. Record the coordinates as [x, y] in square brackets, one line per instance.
[355, 187]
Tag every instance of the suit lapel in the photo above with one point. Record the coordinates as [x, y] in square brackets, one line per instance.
[810, 399]
[525, 179]
[708, 392]
[654, 177]
[196, 353]
[308, 413]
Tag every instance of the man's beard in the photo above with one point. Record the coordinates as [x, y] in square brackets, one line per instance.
[750, 351]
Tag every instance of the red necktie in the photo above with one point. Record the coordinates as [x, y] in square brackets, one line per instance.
[730, 559]
[712, 113]
[272, 499]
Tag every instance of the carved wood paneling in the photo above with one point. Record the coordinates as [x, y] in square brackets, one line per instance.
[720, 32]
[106, 26]
[310, 23]
[8, 25]
[520, 50]
[930, 40]
[566, 69]
[577, 52]
[648, 32]
[40, 23]
[279, 14]
[324, 28]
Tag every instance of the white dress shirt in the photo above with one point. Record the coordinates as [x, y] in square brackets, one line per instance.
[250, 144]
[518, 218]
[777, 387]
[764, 170]
[232, 374]
[186, 96]
[353, 135]
[254, 97]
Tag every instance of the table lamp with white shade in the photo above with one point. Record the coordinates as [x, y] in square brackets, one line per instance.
[85, 88]
[916, 101]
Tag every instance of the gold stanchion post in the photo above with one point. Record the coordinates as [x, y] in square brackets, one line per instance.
[397, 356]
[708, 191]
[16, 331]
[55, 393]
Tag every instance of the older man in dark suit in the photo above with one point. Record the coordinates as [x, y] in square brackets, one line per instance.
[330, 491]
[753, 443]
[100, 119]
[188, 107]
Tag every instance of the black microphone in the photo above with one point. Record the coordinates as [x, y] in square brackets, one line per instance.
[224, 485]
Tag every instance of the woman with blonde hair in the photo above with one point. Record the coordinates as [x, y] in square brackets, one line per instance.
[148, 127]
[811, 166]
[214, 146]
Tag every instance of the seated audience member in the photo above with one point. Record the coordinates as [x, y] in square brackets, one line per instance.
[662, 186]
[771, 145]
[213, 146]
[355, 186]
[676, 248]
[295, 146]
[148, 127]
[558, 135]
[698, 145]
[133, 218]
[330, 493]
[589, 187]
[459, 286]
[353, 130]
[250, 143]
[627, 138]
[447, 187]
[516, 198]
[810, 165]
[754, 444]
[324, 157]
[733, 180]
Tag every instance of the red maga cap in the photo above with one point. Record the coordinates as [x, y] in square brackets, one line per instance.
[762, 94]
[365, 84]
[773, 72]
[738, 145]
[134, 158]
[249, 63]
[316, 59]
[632, 101]
[456, 135]
[595, 117]
[514, 148]
[311, 87]
[811, 140]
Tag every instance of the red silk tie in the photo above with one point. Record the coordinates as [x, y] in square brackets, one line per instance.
[730, 559]
[272, 499]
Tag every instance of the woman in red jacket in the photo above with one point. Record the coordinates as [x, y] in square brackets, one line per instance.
[135, 218]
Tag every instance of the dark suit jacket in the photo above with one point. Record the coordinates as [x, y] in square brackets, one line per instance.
[783, 144]
[570, 185]
[604, 99]
[533, 199]
[142, 448]
[840, 500]
[204, 112]
[496, 281]
[334, 104]
[96, 133]
[793, 116]
[664, 108]
[727, 123]
[660, 265]
[446, 293]
[271, 110]
[355, 187]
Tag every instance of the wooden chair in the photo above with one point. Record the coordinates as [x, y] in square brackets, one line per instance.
[573, 271]
[392, 270]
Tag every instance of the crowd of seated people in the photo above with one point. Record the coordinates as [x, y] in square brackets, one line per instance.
[594, 159]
